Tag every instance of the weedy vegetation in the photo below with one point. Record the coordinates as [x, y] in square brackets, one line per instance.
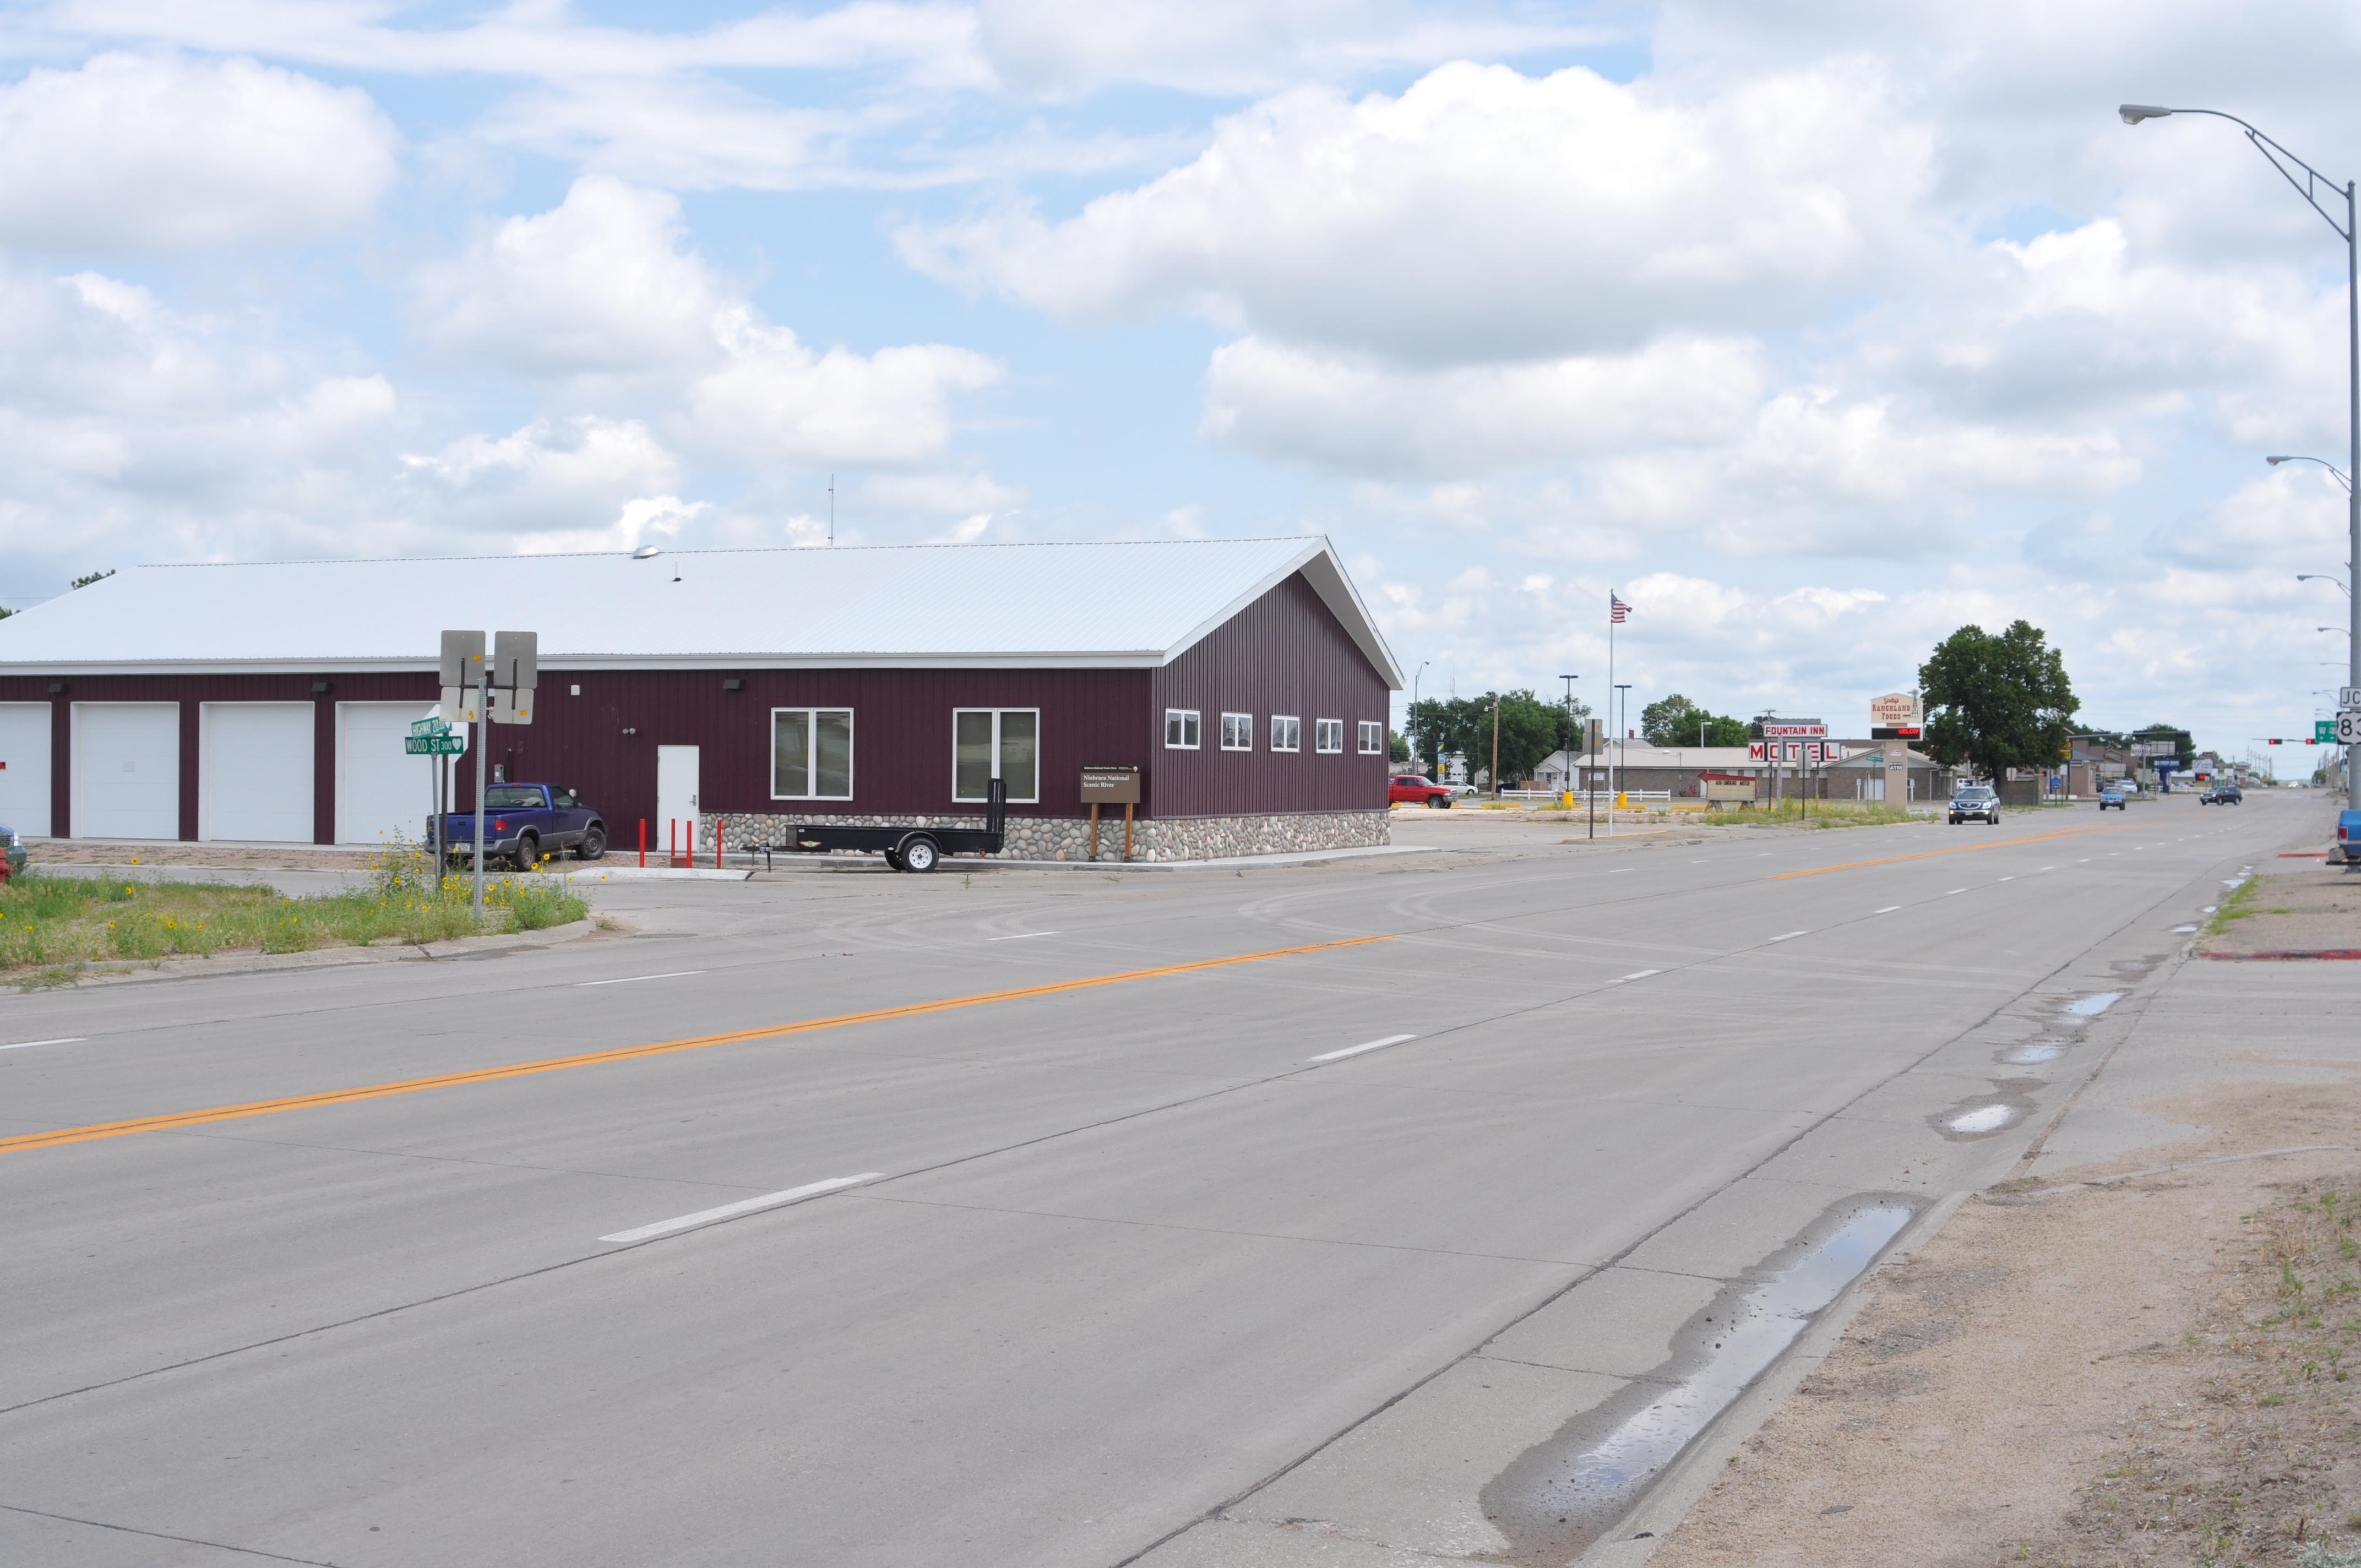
[52, 926]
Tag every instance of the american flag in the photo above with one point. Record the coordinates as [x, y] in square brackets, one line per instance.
[1617, 609]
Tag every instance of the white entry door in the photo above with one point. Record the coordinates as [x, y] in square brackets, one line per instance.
[676, 824]
[127, 770]
[25, 768]
[254, 772]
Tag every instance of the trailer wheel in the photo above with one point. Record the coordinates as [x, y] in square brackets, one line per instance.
[894, 859]
[918, 854]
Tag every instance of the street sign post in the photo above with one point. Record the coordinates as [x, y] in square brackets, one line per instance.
[477, 688]
[444, 745]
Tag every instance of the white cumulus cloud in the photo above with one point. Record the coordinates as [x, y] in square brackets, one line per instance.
[132, 153]
[777, 397]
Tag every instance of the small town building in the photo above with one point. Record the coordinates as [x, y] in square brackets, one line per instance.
[1862, 777]
[736, 692]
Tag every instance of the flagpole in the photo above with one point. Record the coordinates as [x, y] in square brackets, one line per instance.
[1616, 749]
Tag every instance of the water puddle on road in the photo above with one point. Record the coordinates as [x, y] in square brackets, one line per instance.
[2033, 1052]
[1559, 1495]
[1981, 1119]
[2091, 1006]
[2184, 927]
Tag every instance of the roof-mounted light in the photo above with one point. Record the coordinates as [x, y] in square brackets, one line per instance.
[646, 552]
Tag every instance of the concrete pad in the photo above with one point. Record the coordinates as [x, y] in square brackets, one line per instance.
[1620, 1322]
[1411, 1475]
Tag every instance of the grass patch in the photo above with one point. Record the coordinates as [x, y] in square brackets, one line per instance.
[2234, 907]
[51, 926]
[1822, 814]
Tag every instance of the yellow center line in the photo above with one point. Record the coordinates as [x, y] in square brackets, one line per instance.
[627, 1053]
[1960, 850]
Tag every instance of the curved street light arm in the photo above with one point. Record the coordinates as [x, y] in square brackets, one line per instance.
[2341, 476]
[2280, 157]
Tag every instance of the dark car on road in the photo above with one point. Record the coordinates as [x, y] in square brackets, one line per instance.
[1413, 788]
[523, 823]
[1981, 802]
[2223, 794]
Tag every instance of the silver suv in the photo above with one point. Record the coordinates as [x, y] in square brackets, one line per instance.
[1981, 802]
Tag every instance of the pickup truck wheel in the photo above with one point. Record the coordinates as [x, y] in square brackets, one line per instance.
[594, 844]
[528, 850]
[1435, 800]
[918, 854]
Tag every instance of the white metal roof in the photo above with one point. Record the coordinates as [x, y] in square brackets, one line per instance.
[1139, 603]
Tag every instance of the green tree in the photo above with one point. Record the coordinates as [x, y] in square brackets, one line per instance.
[93, 578]
[1677, 722]
[1998, 701]
[1530, 728]
[1397, 747]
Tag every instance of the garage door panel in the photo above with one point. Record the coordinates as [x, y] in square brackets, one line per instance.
[255, 778]
[25, 767]
[127, 770]
[382, 790]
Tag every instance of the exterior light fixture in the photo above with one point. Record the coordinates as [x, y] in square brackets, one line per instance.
[2134, 114]
[646, 552]
[733, 684]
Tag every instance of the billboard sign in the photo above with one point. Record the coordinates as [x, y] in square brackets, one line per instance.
[1897, 710]
[1793, 729]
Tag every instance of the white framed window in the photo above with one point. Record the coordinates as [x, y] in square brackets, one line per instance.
[1286, 732]
[1328, 735]
[811, 753]
[1373, 738]
[1237, 732]
[1180, 725]
[1001, 743]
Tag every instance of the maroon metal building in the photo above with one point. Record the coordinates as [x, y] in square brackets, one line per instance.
[730, 691]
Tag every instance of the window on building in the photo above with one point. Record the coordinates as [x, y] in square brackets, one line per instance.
[1328, 734]
[1180, 728]
[811, 753]
[1373, 738]
[1286, 732]
[1001, 743]
[1237, 732]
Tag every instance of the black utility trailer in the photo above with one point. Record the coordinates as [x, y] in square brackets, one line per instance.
[913, 849]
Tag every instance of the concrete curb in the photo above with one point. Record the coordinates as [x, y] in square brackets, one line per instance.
[124, 972]
[656, 873]
[1636, 1536]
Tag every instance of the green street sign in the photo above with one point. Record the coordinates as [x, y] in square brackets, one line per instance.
[430, 725]
[433, 745]
[2323, 731]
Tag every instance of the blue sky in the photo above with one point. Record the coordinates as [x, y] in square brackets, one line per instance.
[1817, 329]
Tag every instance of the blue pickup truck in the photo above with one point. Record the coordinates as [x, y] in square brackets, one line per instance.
[2347, 851]
[523, 823]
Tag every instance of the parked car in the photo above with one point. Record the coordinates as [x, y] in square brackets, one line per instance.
[14, 862]
[1413, 789]
[2347, 851]
[2223, 794]
[1979, 801]
[2111, 794]
[524, 822]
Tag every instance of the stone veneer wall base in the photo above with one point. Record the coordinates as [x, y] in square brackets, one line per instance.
[1067, 837]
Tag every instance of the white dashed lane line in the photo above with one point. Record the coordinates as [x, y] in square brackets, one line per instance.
[744, 1206]
[1371, 1045]
[28, 1045]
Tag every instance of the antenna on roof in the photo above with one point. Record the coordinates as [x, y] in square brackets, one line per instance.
[832, 508]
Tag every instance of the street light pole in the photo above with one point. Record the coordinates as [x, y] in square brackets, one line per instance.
[1615, 781]
[2310, 187]
[1569, 681]
[1423, 663]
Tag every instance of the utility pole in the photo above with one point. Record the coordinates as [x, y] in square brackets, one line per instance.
[1569, 681]
[1496, 746]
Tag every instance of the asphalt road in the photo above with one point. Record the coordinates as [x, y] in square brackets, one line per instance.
[1123, 1251]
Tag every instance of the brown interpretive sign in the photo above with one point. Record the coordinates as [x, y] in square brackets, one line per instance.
[1111, 787]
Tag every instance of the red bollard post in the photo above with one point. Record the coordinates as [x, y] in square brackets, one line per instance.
[717, 843]
[644, 843]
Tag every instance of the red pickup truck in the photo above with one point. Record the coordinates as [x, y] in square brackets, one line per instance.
[1412, 788]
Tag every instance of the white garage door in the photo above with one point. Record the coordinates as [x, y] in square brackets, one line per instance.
[127, 770]
[380, 789]
[254, 775]
[25, 767]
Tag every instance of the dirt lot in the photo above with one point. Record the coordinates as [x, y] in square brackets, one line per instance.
[2297, 904]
